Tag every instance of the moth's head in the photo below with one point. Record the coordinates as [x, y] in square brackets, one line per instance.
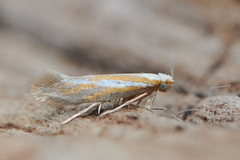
[166, 82]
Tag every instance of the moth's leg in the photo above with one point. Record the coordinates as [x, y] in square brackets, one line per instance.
[129, 98]
[138, 102]
[99, 108]
[165, 109]
[125, 104]
[81, 112]
[151, 99]
[149, 106]
[114, 101]
[118, 100]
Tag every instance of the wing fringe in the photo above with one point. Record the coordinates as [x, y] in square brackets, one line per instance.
[39, 90]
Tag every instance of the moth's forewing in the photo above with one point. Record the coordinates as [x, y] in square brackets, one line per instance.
[57, 89]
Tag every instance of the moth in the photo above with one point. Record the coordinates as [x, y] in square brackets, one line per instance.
[56, 89]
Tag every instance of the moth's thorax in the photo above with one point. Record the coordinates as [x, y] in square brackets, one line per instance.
[165, 77]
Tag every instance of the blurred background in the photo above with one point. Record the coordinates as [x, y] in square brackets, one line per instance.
[199, 38]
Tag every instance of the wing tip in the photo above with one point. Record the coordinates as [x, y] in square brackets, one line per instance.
[46, 81]
[49, 78]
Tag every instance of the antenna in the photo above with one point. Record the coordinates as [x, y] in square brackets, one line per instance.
[171, 66]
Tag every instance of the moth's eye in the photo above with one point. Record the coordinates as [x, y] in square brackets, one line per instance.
[163, 86]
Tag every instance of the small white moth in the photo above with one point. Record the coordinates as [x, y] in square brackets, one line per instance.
[54, 88]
